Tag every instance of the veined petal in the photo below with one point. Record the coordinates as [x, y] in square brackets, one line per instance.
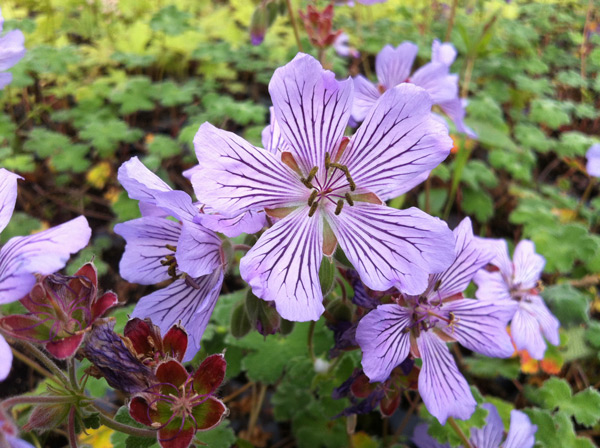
[198, 250]
[398, 141]
[272, 139]
[549, 324]
[15, 442]
[147, 240]
[8, 196]
[593, 160]
[6, 358]
[501, 258]
[423, 440]
[393, 64]
[526, 333]
[443, 389]
[528, 265]
[480, 325]
[490, 436]
[491, 286]
[436, 78]
[44, 253]
[236, 176]
[283, 266]
[5, 79]
[471, 256]
[383, 340]
[393, 248]
[312, 109]
[12, 49]
[365, 97]
[247, 222]
[181, 302]
[455, 110]
[444, 53]
[521, 433]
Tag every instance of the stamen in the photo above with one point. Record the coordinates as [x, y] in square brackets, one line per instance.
[172, 248]
[349, 199]
[312, 197]
[313, 209]
[345, 170]
[340, 205]
[307, 181]
[437, 285]
[327, 161]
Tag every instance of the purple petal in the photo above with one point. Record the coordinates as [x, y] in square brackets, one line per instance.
[436, 78]
[390, 247]
[444, 53]
[491, 286]
[549, 324]
[5, 79]
[44, 253]
[272, 139]
[521, 433]
[236, 176]
[471, 256]
[528, 265]
[490, 436]
[147, 240]
[8, 196]
[593, 160]
[423, 440]
[198, 250]
[398, 141]
[383, 341]
[501, 258]
[443, 389]
[455, 110]
[393, 64]
[12, 49]
[182, 303]
[247, 222]
[526, 333]
[6, 358]
[14, 442]
[365, 97]
[283, 266]
[481, 325]
[312, 109]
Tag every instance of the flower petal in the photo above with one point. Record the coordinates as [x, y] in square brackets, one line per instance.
[455, 110]
[12, 49]
[312, 109]
[210, 374]
[209, 413]
[390, 247]
[272, 139]
[8, 196]
[444, 53]
[490, 436]
[198, 250]
[5, 79]
[147, 240]
[521, 433]
[180, 302]
[549, 324]
[593, 160]
[383, 340]
[175, 342]
[398, 141]
[172, 436]
[365, 97]
[491, 286]
[247, 222]
[6, 358]
[66, 347]
[44, 253]
[528, 265]
[139, 411]
[423, 440]
[526, 333]
[393, 64]
[171, 373]
[235, 176]
[480, 325]
[436, 78]
[501, 258]
[283, 266]
[443, 389]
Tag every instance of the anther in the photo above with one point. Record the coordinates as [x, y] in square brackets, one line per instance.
[307, 181]
[312, 197]
[349, 199]
[437, 285]
[338, 209]
[327, 160]
[345, 170]
[313, 209]
[172, 248]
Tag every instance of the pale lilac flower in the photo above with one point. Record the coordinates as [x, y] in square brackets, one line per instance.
[521, 433]
[342, 47]
[593, 160]
[516, 281]
[12, 49]
[321, 188]
[9, 433]
[422, 324]
[393, 67]
[22, 256]
[159, 248]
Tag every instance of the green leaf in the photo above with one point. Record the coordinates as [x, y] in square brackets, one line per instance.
[170, 20]
[105, 136]
[568, 303]
[478, 203]
[549, 112]
[121, 440]
[493, 367]
[220, 437]
[163, 146]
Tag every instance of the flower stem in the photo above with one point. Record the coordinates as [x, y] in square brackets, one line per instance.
[29, 399]
[242, 247]
[130, 430]
[460, 433]
[72, 374]
[294, 24]
[71, 428]
[262, 389]
[41, 356]
[451, 21]
[31, 363]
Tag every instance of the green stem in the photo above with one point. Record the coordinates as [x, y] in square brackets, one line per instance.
[586, 195]
[126, 429]
[29, 399]
[71, 428]
[72, 374]
[451, 21]
[31, 363]
[46, 361]
[458, 431]
[290, 9]
[461, 160]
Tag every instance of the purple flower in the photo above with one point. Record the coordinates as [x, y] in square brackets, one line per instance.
[521, 433]
[12, 49]
[9, 434]
[421, 325]
[321, 188]
[159, 249]
[593, 160]
[44, 253]
[342, 47]
[516, 281]
[393, 67]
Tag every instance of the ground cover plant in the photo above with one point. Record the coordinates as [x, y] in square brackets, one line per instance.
[299, 223]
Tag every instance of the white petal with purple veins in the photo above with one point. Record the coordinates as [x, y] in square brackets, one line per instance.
[198, 250]
[6, 358]
[455, 110]
[528, 265]
[521, 433]
[444, 53]
[490, 436]
[272, 139]
[247, 222]
[526, 333]
[549, 324]
[393, 248]
[12, 49]
[491, 286]
[423, 440]
[436, 78]
[393, 64]
[383, 340]
[283, 266]
[443, 389]
[312, 109]
[365, 97]
[593, 160]
[8, 196]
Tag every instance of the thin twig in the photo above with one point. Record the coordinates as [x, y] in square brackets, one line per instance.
[458, 431]
[262, 390]
[121, 427]
[294, 24]
[238, 392]
[71, 428]
[41, 356]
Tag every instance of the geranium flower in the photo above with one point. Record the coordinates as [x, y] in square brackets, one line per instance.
[422, 324]
[9, 434]
[22, 256]
[181, 404]
[323, 188]
[12, 50]
[521, 433]
[61, 310]
[593, 160]
[393, 67]
[516, 281]
[159, 249]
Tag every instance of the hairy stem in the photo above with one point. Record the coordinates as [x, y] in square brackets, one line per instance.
[130, 430]
[45, 360]
[71, 428]
[28, 399]
[72, 374]
[242, 247]
[459, 433]
[31, 363]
